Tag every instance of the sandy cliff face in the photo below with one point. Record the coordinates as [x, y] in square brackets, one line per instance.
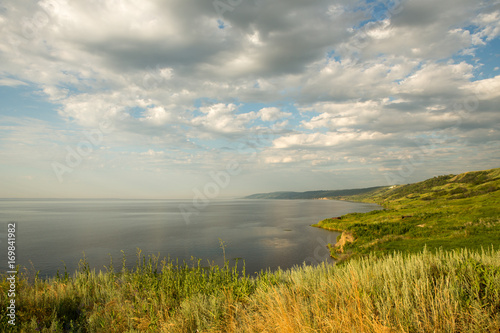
[346, 237]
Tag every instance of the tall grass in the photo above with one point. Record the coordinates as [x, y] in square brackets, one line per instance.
[456, 291]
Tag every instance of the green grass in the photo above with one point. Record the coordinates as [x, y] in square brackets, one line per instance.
[457, 291]
[435, 270]
[446, 212]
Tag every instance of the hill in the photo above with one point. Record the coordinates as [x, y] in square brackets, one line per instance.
[330, 194]
[426, 291]
[449, 212]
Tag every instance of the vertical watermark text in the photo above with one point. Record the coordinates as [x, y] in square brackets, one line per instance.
[11, 273]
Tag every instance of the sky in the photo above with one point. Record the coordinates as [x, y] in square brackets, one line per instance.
[207, 99]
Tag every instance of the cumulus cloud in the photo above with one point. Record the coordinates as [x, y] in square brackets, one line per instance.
[272, 114]
[436, 80]
[179, 82]
[324, 140]
[489, 26]
[222, 118]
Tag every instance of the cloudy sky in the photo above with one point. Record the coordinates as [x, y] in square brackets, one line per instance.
[166, 99]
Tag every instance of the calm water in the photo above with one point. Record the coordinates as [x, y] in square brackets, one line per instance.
[265, 233]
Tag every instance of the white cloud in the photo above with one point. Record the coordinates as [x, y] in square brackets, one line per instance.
[436, 80]
[342, 115]
[346, 81]
[11, 82]
[489, 27]
[157, 115]
[324, 140]
[486, 89]
[173, 85]
[222, 118]
[272, 114]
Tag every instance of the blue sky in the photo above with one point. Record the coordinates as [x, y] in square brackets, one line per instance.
[154, 99]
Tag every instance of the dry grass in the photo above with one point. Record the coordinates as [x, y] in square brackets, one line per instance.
[427, 292]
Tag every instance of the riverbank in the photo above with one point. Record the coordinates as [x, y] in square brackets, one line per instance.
[439, 291]
[446, 212]
[443, 277]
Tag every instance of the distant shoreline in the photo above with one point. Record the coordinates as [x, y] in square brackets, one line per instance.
[317, 195]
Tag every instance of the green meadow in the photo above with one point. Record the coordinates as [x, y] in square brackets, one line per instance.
[446, 212]
[428, 262]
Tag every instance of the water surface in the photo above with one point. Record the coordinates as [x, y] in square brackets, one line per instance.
[265, 233]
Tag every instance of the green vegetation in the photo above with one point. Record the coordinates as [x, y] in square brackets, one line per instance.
[448, 212]
[428, 262]
[312, 194]
[456, 291]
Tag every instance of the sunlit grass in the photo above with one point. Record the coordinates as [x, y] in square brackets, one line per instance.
[455, 291]
[417, 266]
[446, 212]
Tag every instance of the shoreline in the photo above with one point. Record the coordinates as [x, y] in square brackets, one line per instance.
[448, 212]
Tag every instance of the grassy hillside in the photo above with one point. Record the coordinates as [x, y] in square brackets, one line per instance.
[426, 292]
[420, 288]
[449, 212]
[313, 194]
